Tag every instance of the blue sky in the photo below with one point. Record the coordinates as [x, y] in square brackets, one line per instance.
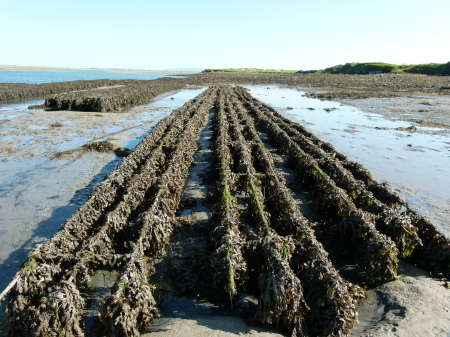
[280, 34]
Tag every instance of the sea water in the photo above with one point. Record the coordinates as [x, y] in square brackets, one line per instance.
[43, 76]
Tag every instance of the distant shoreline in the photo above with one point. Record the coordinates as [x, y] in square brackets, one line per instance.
[125, 71]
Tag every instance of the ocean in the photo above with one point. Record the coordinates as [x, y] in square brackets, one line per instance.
[38, 77]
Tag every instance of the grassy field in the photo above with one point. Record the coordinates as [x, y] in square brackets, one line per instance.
[373, 68]
[356, 68]
[251, 70]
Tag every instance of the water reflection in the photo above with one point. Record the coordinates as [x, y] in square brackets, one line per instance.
[414, 163]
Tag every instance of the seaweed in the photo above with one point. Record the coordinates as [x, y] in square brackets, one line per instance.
[102, 146]
[261, 242]
[281, 303]
[92, 237]
[276, 210]
[227, 260]
[378, 256]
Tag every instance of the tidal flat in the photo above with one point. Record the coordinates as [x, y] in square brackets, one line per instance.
[47, 176]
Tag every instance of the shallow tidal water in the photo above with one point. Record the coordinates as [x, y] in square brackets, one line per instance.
[37, 194]
[49, 76]
[414, 164]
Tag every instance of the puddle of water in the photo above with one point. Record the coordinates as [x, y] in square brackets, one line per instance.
[37, 195]
[20, 106]
[112, 129]
[5, 116]
[416, 161]
[72, 141]
[96, 290]
[37, 127]
[178, 99]
[22, 140]
[13, 110]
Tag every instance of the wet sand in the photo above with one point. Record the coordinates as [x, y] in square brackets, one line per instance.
[46, 174]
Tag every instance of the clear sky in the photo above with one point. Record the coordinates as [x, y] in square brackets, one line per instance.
[280, 34]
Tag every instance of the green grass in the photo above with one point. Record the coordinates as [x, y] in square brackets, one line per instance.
[354, 68]
[429, 69]
[362, 68]
[385, 68]
[251, 70]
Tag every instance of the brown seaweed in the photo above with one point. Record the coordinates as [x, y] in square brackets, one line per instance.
[259, 235]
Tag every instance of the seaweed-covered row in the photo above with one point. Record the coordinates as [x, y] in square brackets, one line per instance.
[227, 260]
[281, 302]
[378, 254]
[131, 304]
[388, 219]
[124, 225]
[319, 149]
[111, 99]
[413, 234]
[331, 299]
[23, 91]
[95, 95]
[300, 291]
